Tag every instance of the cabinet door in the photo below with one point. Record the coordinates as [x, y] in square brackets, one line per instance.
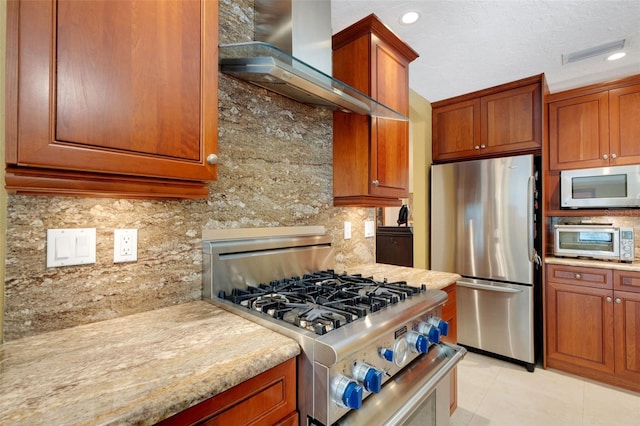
[511, 120]
[390, 138]
[126, 87]
[579, 132]
[352, 132]
[456, 130]
[579, 327]
[627, 336]
[624, 125]
[626, 286]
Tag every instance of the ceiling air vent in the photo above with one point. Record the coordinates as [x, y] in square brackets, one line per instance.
[593, 51]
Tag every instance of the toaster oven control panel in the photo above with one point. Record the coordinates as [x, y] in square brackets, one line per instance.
[627, 245]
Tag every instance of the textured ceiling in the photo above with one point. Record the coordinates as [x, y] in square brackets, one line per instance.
[468, 45]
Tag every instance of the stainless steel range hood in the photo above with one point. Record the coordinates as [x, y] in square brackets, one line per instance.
[290, 35]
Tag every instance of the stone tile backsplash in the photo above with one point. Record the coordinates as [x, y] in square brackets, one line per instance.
[275, 170]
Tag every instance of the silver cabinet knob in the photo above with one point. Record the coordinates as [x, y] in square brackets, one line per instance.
[376, 182]
[483, 146]
[212, 159]
[476, 147]
[614, 156]
[578, 276]
[605, 157]
[618, 300]
[609, 299]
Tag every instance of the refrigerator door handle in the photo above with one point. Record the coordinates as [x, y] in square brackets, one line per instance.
[478, 286]
[533, 254]
[532, 250]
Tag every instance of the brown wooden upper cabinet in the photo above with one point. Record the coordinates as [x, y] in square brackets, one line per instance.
[371, 154]
[496, 121]
[595, 126]
[112, 98]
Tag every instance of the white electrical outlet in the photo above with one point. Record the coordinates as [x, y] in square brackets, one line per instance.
[125, 245]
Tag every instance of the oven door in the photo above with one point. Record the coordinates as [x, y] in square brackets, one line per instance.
[418, 394]
[600, 242]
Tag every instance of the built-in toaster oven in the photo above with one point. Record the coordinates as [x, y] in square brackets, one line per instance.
[605, 242]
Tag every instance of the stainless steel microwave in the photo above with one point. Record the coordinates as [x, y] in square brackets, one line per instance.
[595, 241]
[600, 188]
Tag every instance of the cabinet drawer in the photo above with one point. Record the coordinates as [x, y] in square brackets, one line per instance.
[626, 281]
[576, 275]
[268, 398]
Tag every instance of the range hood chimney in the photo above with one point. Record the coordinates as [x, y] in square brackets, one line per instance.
[291, 55]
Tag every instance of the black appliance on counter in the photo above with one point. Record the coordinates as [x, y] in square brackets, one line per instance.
[394, 245]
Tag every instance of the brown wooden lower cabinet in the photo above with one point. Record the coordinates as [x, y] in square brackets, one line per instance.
[449, 315]
[593, 323]
[266, 399]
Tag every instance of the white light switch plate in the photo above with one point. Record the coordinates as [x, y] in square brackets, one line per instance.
[125, 245]
[67, 247]
[347, 230]
[369, 229]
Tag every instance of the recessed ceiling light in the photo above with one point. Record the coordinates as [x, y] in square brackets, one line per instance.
[409, 17]
[616, 56]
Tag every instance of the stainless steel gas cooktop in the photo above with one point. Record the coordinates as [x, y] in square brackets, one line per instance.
[371, 349]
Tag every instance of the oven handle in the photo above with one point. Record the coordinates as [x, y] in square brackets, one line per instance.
[478, 286]
[415, 400]
[404, 393]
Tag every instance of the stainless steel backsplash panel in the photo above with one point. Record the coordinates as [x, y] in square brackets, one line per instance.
[230, 263]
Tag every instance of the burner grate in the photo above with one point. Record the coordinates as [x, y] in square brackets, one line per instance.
[322, 301]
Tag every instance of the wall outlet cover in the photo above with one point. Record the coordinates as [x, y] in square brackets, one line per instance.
[125, 245]
[369, 229]
[347, 230]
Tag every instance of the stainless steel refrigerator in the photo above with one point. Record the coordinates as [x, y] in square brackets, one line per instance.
[483, 227]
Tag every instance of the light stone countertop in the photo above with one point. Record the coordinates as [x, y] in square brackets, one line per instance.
[413, 276]
[136, 369]
[142, 368]
[573, 261]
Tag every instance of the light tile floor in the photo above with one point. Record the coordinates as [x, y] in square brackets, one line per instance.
[495, 392]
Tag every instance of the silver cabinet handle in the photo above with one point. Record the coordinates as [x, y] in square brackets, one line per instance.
[578, 276]
[618, 300]
[476, 147]
[376, 182]
[614, 156]
[483, 146]
[212, 159]
[605, 157]
[609, 299]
